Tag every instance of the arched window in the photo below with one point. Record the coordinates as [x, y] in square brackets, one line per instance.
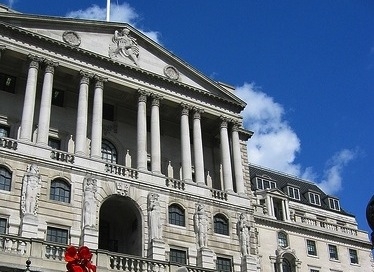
[176, 215]
[286, 265]
[5, 179]
[108, 152]
[60, 190]
[282, 239]
[221, 224]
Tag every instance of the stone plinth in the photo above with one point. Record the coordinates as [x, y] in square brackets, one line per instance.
[29, 226]
[90, 238]
[156, 250]
[249, 264]
[205, 258]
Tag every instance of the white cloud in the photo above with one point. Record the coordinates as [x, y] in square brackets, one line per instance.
[275, 144]
[332, 181]
[123, 13]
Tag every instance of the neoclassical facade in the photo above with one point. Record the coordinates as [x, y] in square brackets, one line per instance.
[110, 141]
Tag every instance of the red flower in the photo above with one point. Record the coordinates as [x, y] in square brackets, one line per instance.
[79, 260]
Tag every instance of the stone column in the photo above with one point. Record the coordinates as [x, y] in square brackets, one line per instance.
[155, 135]
[238, 167]
[198, 148]
[81, 130]
[29, 102]
[45, 104]
[186, 146]
[97, 118]
[142, 130]
[225, 156]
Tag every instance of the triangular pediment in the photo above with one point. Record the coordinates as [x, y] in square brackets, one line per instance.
[122, 44]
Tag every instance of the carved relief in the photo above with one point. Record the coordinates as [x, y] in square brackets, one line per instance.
[89, 204]
[154, 217]
[171, 72]
[122, 188]
[242, 230]
[31, 183]
[124, 45]
[72, 38]
[201, 226]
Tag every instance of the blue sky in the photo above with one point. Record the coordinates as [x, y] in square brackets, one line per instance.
[305, 68]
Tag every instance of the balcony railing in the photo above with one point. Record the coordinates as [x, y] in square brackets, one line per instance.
[62, 156]
[175, 183]
[329, 226]
[219, 194]
[8, 143]
[121, 170]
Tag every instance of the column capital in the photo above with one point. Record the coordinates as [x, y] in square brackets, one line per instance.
[197, 112]
[50, 66]
[185, 108]
[143, 95]
[85, 77]
[224, 121]
[100, 78]
[34, 61]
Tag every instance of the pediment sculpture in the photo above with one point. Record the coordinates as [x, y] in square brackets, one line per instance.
[124, 46]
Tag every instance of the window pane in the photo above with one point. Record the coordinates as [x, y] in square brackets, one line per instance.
[223, 264]
[57, 235]
[3, 223]
[54, 143]
[221, 225]
[5, 179]
[7, 83]
[108, 112]
[60, 191]
[58, 98]
[333, 250]
[108, 152]
[282, 239]
[178, 256]
[311, 245]
[353, 255]
[4, 131]
[176, 215]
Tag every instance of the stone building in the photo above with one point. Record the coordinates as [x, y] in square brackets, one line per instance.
[109, 140]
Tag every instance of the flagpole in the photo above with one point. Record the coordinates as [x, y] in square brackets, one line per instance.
[107, 10]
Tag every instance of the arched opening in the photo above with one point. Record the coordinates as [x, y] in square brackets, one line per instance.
[120, 226]
[288, 263]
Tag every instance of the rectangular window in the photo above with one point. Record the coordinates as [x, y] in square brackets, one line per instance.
[4, 131]
[334, 204]
[294, 193]
[314, 199]
[54, 143]
[311, 246]
[178, 256]
[7, 83]
[3, 225]
[108, 112]
[263, 184]
[333, 251]
[353, 256]
[57, 235]
[58, 98]
[223, 264]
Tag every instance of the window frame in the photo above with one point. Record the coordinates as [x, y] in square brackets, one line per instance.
[6, 129]
[220, 264]
[334, 204]
[310, 245]
[291, 192]
[181, 256]
[282, 239]
[221, 224]
[314, 198]
[111, 154]
[54, 143]
[62, 196]
[262, 181]
[3, 225]
[333, 252]
[177, 215]
[5, 181]
[354, 257]
[57, 236]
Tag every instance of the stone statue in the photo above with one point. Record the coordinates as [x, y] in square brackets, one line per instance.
[89, 204]
[154, 217]
[201, 226]
[31, 183]
[124, 45]
[242, 229]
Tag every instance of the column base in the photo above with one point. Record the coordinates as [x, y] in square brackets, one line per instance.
[249, 264]
[205, 258]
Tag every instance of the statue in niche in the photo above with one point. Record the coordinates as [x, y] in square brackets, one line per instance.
[242, 229]
[89, 204]
[31, 183]
[124, 45]
[154, 217]
[201, 226]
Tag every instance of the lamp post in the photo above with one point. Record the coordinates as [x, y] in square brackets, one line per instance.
[370, 218]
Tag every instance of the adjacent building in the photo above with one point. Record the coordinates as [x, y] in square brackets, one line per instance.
[109, 140]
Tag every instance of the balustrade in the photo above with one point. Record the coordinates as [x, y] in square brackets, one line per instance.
[13, 245]
[328, 226]
[8, 143]
[121, 170]
[62, 156]
[175, 183]
[219, 194]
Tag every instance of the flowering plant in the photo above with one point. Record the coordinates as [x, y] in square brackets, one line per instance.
[79, 260]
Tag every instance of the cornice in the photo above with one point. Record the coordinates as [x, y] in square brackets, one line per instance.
[236, 106]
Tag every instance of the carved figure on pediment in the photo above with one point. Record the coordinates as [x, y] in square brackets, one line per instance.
[31, 183]
[201, 226]
[124, 45]
[242, 230]
[154, 217]
[89, 204]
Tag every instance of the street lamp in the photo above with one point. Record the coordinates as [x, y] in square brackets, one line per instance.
[370, 217]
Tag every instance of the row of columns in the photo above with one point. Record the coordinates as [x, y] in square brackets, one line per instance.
[46, 102]
[97, 115]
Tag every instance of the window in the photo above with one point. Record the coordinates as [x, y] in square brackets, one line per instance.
[311, 247]
[108, 152]
[334, 204]
[54, 143]
[58, 98]
[282, 239]
[7, 83]
[5, 179]
[294, 193]
[60, 191]
[353, 256]
[314, 199]
[333, 250]
[57, 235]
[4, 131]
[176, 215]
[221, 224]
[263, 184]
[178, 256]
[3, 225]
[223, 264]
[108, 112]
